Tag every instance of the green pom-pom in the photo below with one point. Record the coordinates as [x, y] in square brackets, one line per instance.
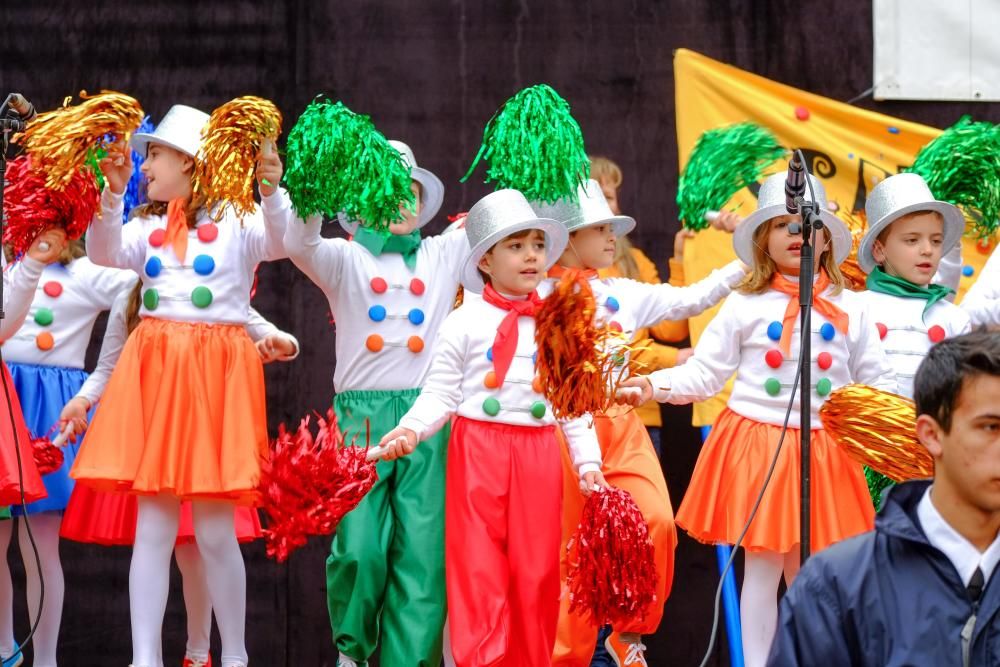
[337, 162]
[877, 484]
[962, 167]
[723, 162]
[533, 144]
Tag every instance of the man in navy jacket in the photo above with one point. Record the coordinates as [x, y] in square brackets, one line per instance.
[921, 589]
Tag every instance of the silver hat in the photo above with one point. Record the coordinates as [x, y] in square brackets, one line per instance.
[592, 209]
[897, 196]
[431, 190]
[180, 129]
[495, 217]
[771, 204]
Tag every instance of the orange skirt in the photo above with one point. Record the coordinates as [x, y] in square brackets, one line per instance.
[183, 414]
[730, 472]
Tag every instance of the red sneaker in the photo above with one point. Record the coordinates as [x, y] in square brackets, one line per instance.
[191, 662]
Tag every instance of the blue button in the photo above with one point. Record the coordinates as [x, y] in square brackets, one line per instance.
[534, 357]
[416, 316]
[153, 267]
[489, 354]
[612, 304]
[827, 331]
[376, 313]
[774, 330]
[967, 270]
[204, 265]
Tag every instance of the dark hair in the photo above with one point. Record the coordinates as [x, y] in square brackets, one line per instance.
[516, 235]
[947, 366]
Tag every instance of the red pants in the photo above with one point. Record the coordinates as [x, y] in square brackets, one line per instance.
[502, 535]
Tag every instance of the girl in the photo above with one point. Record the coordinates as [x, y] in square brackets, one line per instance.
[183, 416]
[756, 336]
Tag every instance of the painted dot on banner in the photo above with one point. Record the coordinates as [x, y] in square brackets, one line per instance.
[489, 354]
[45, 341]
[379, 286]
[772, 386]
[538, 409]
[490, 381]
[824, 360]
[208, 233]
[151, 299]
[893, 129]
[612, 304]
[153, 266]
[157, 237]
[802, 113]
[376, 313]
[850, 156]
[491, 406]
[374, 343]
[44, 317]
[416, 316]
[53, 288]
[203, 265]
[984, 246]
[773, 358]
[882, 330]
[416, 344]
[968, 271]
[201, 296]
[536, 385]
[827, 331]
[417, 286]
[774, 330]
[824, 386]
[936, 333]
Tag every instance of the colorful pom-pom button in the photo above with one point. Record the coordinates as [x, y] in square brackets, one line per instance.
[936, 333]
[893, 129]
[489, 354]
[379, 286]
[376, 313]
[53, 288]
[882, 330]
[153, 266]
[43, 317]
[827, 331]
[968, 271]
[208, 233]
[490, 381]
[534, 357]
[612, 304]
[151, 299]
[774, 330]
[615, 326]
[824, 386]
[538, 409]
[157, 237]
[824, 360]
[45, 341]
[201, 296]
[491, 406]
[801, 113]
[774, 358]
[203, 265]
[417, 286]
[374, 343]
[416, 344]
[536, 385]
[772, 386]
[416, 316]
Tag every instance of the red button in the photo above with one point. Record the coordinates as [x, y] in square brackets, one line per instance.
[824, 360]
[379, 286]
[882, 330]
[936, 333]
[774, 358]
[53, 288]
[615, 326]
[417, 286]
[208, 233]
[157, 237]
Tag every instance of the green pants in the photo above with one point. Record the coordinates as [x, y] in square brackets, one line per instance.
[385, 573]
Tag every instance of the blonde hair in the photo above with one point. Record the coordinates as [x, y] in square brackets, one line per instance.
[764, 268]
[605, 171]
[625, 258]
[132, 309]
[194, 204]
[73, 250]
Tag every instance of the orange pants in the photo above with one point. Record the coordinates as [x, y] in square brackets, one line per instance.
[630, 463]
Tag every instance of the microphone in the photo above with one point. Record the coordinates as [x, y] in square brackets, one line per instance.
[795, 184]
[22, 107]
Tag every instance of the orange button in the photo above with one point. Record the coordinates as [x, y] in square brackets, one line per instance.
[374, 343]
[45, 341]
[536, 385]
[416, 344]
[490, 382]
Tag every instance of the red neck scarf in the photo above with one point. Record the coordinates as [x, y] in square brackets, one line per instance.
[505, 343]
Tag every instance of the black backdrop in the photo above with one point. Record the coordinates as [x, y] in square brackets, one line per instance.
[430, 73]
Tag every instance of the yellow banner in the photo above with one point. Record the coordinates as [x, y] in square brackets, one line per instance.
[847, 148]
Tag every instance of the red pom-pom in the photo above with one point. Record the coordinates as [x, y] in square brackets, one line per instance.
[612, 573]
[48, 457]
[310, 484]
[31, 207]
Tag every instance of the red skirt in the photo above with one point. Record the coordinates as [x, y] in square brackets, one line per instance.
[729, 474]
[10, 482]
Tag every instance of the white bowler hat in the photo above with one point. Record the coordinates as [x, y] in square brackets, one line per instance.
[180, 129]
[590, 210]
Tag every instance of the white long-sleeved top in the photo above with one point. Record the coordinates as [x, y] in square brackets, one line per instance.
[909, 334]
[67, 301]
[19, 282]
[949, 271]
[982, 301]
[743, 338]
[218, 267]
[117, 333]
[457, 382]
[387, 316]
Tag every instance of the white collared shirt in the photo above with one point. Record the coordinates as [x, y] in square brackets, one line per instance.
[963, 554]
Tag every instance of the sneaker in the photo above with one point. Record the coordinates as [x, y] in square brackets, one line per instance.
[196, 662]
[626, 649]
[15, 660]
[344, 661]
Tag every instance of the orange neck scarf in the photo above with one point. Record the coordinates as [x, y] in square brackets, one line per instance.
[835, 315]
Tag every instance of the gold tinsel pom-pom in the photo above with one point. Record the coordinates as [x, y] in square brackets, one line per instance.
[858, 224]
[59, 141]
[876, 428]
[233, 139]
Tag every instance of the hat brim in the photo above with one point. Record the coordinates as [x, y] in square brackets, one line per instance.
[743, 236]
[556, 238]
[954, 227]
[431, 198]
[140, 143]
[620, 224]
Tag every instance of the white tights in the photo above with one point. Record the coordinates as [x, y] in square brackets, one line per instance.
[759, 600]
[197, 601]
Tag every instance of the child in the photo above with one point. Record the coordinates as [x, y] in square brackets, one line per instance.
[982, 301]
[504, 476]
[183, 416]
[389, 293]
[755, 335]
[630, 461]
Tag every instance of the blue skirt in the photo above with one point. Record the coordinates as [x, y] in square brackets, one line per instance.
[43, 391]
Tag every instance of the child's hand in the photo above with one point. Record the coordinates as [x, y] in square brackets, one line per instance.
[117, 167]
[679, 239]
[398, 442]
[269, 169]
[683, 355]
[726, 221]
[48, 245]
[274, 347]
[591, 482]
[74, 414]
[634, 391]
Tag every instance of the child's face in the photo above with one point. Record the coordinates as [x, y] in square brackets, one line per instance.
[168, 173]
[410, 219]
[516, 264]
[911, 247]
[611, 194]
[591, 248]
[785, 248]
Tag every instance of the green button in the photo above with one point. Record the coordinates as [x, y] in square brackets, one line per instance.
[618, 359]
[772, 386]
[824, 386]
[201, 296]
[537, 409]
[43, 317]
[151, 299]
[491, 406]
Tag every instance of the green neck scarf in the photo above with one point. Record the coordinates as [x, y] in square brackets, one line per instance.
[880, 281]
[404, 244]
